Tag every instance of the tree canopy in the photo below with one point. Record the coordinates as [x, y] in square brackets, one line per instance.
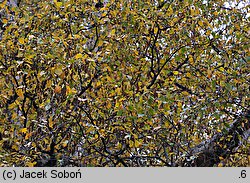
[124, 83]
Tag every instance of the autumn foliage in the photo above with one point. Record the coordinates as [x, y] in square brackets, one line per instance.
[124, 83]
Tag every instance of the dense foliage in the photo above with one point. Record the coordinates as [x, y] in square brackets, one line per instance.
[124, 83]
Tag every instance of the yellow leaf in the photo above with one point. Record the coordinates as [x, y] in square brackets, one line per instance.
[209, 73]
[77, 56]
[221, 158]
[170, 10]
[15, 147]
[62, 75]
[208, 32]
[48, 84]
[31, 164]
[21, 40]
[33, 144]
[137, 143]
[100, 43]
[221, 69]
[113, 32]
[167, 124]
[2, 4]
[185, 93]
[171, 23]
[109, 105]
[109, 79]
[23, 130]
[47, 148]
[197, 11]
[131, 143]
[200, 23]
[58, 4]
[119, 145]
[155, 30]
[39, 15]
[220, 165]
[65, 143]
[175, 19]
[5, 21]
[104, 14]
[103, 9]
[192, 11]
[179, 104]
[58, 89]
[31, 56]
[167, 107]
[28, 135]
[58, 71]
[191, 60]
[90, 129]
[70, 90]
[51, 123]
[118, 90]
[19, 92]
[13, 105]
[175, 72]
[216, 13]
[208, 24]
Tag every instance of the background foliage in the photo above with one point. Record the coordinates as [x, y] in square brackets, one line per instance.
[124, 83]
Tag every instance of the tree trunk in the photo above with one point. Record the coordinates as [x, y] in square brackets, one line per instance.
[208, 153]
